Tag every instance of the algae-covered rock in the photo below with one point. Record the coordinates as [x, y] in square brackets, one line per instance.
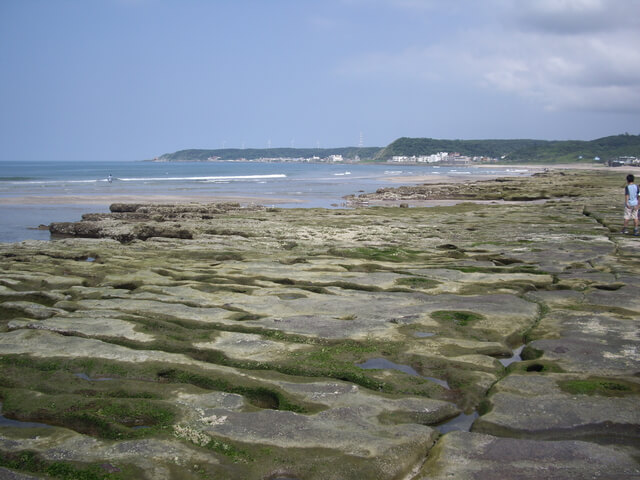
[222, 341]
[476, 456]
[545, 407]
[598, 344]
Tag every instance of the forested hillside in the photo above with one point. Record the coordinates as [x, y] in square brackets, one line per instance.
[256, 153]
[537, 151]
[605, 148]
[427, 146]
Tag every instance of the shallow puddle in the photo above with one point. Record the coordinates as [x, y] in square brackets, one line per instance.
[384, 364]
[7, 422]
[291, 296]
[461, 423]
[423, 334]
[84, 376]
[514, 358]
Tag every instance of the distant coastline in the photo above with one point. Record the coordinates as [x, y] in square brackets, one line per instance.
[623, 148]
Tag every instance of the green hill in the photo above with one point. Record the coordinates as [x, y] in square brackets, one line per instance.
[255, 153]
[537, 151]
[605, 148]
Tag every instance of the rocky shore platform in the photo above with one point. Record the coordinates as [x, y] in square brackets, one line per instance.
[493, 339]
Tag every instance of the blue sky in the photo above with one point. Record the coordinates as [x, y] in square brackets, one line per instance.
[133, 79]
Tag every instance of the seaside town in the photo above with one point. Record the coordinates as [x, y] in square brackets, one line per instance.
[626, 161]
[313, 159]
[442, 158]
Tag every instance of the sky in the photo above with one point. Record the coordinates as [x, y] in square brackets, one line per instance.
[132, 79]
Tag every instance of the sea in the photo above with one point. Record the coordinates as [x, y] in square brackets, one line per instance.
[33, 194]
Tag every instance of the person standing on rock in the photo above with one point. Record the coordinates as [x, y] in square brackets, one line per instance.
[630, 204]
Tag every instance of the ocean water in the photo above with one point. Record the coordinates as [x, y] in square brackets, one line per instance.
[38, 193]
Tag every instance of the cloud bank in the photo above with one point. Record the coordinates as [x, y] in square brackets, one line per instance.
[560, 54]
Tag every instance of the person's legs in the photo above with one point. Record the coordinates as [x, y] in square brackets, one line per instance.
[627, 217]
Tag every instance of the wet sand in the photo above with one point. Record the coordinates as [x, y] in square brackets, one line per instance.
[419, 179]
[109, 199]
[520, 168]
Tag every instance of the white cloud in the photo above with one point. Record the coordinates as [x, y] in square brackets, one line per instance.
[591, 72]
[560, 54]
[567, 17]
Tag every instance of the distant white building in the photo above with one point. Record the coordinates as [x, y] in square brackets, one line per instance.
[335, 158]
[434, 158]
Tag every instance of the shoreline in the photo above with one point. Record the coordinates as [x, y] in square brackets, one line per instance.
[531, 170]
[154, 199]
[449, 178]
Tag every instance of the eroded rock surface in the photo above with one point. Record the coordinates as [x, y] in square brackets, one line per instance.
[475, 456]
[223, 341]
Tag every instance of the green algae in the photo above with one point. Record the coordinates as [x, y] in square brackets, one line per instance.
[599, 386]
[531, 269]
[418, 282]
[333, 361]
[392, 254]
[407, 240]
[530, 353]
[364, 267]
[31, 462]
[459, 318]
[103, 417]
[228, 449]
[260, 397]
[136, 383]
